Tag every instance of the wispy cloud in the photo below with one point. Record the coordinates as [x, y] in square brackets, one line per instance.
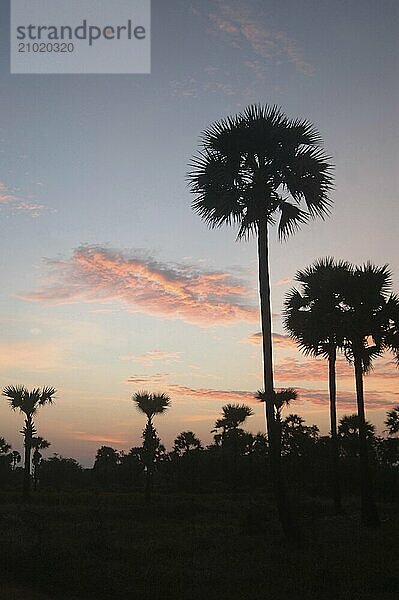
[284, 281]
[99, 439]
[240, 26]
[152, 356]
[142, 284]
[308, 398]
[5, 195]
[176, 390]
[346, 401]
[149, 380]
[10, 200]
[279, 340]
[291, 370]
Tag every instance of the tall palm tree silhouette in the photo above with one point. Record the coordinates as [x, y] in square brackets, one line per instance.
[150, 405]
[371, 327]
[253, 168]
[28, 403]
[313, 318]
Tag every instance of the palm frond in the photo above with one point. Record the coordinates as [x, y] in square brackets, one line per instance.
[151, 404]
[290, 220]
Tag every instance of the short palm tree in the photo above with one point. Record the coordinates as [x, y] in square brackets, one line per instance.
[15, 459]
[348, 434]
[392, 421]
[187, 441]
[234, 415]
[313, 318]
[371, 327]
[151, 405]
[38, 443]
[282, 398]
[28, 403]
[5, 447]
[253, 169]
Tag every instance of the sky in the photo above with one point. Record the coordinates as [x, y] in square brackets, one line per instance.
[111, 284]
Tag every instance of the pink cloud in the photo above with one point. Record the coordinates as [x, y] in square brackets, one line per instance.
[142, 284]
[308, 398]
[241, 27]
[186, 391]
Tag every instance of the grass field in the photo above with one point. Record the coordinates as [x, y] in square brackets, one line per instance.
[108, 546]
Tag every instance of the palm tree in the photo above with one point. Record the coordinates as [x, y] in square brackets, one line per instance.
[252, 169]
[348, 434]
[297, 438]
[187, 441]
[150, 405]
[234, 415]
[38, 443]
[5, 447]
[313, 318]
[371, 327]
[392, 421]
[28, 403]
[15, 459]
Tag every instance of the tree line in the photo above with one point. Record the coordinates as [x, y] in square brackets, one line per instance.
[236, 461]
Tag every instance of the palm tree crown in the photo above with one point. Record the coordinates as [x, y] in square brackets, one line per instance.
[370, 315]
[259, 163]
[313, 315]
[27, 402]
[282, 398]
[151, 404]
[233, 416]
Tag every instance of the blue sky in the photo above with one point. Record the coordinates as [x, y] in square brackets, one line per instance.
[94, 166]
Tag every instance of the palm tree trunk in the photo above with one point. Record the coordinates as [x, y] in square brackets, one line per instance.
[369, 508]
[336, 486]
[27, 458]
[284, 510]
[147, 492]
[149, 452]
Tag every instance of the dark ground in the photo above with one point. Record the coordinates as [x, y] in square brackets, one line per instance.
[107, 546]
